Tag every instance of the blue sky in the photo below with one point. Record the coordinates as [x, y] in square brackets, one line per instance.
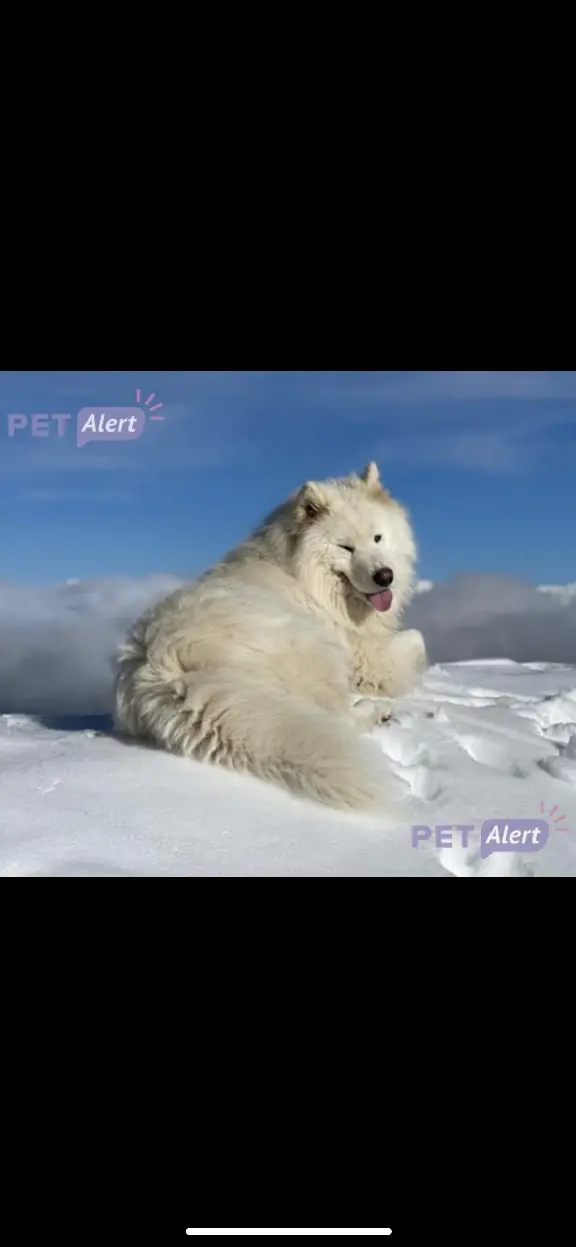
[485, 461]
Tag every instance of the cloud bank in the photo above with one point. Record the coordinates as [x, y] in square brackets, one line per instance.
[57, 645]
[489, 616]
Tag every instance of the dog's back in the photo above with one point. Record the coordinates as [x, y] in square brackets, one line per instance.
[227, 673]
[252, 667]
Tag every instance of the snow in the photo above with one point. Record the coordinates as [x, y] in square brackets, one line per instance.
[476, 741]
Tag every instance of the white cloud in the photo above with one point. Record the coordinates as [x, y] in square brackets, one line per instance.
[57, 644]
[565, 593]
[491, 616]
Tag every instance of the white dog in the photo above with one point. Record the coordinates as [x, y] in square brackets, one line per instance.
[257, 664]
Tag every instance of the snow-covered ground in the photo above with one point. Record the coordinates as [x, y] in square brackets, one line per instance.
[477, 741]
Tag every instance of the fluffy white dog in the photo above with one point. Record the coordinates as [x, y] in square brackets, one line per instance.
[257, 665]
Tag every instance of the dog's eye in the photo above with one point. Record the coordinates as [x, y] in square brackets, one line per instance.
[349, 549]
[378, 538]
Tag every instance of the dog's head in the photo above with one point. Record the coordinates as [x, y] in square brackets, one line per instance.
[354, 531]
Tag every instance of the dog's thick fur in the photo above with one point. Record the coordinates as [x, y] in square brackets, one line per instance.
[256, 665]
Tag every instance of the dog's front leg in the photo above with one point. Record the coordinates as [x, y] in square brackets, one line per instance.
[390, 669]
[367, 714]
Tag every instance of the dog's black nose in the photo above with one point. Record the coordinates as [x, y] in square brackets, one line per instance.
[384, 578]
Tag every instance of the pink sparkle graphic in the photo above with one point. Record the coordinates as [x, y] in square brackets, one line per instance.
[557, 821]
[149, 400]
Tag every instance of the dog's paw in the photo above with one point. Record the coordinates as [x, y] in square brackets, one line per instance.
[370, 714]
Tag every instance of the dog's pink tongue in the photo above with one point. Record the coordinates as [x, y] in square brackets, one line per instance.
[382, 601]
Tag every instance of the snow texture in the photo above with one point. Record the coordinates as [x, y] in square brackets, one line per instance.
[475, 741]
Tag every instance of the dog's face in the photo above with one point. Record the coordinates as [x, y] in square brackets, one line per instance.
[356, 532]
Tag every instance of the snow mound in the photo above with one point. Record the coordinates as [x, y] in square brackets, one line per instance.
[476, 741]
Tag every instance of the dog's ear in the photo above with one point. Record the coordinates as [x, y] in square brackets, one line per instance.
[311, 502]
[371, 478]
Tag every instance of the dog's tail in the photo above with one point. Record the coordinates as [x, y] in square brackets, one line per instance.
[227, 718]
[316, 754]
